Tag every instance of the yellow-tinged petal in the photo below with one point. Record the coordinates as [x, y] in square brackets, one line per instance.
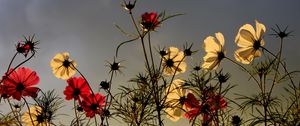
[247, 36]
[210, 45]
[220, 38]
[246, 27]
[172, 52]
[179, 57]
[260, 29]
[244, 55]
[257, 53]
[210, 57]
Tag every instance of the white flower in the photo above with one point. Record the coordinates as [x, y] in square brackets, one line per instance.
[249, 42]
[213, 47]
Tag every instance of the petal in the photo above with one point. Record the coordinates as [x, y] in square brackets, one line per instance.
[244, 55]
[181, 68]
[257, 53]
[178, 57]
[210, 44]
[241, 41]
[220, 38]
[172, 52]
[31, 91]
[260, 29]
[209, 57]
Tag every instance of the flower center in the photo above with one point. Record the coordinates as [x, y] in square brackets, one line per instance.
[76, 92]
[182, 100]
[20, 87]
[93, 107]
[40, 118]
[66, 63]
[170, 63]
[256, 44]
[221, 55]
[115, 66]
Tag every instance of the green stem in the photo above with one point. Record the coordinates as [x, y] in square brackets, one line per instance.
[151, 54]
[16, 67]
[277, 67]
[244, 70]
[75, 110]
[11, 61]
[26, 103]
[286, 71]
[16, 116]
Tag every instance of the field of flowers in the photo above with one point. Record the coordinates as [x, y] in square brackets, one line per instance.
[157, 94]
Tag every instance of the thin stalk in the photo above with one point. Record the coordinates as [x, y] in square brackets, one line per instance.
[151, 54]
[243, 69]
[96, 124]
[84, 79]
[26, 103]
[107, 96]
[17, 67]
[277, 67]
[75, 110]
[286, 71]
[11, 61]
[16, 116]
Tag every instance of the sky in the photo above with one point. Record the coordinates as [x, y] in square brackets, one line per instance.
[86, 29]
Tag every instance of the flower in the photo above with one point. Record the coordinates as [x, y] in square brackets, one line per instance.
[128, 6]
[26, 46]
[281, 33]
[175, 100]
[213, 47]
[149, 21]
[249, 42]
[18, 83]
[104, 85]
[93, 104]
[22, 48]
[77, 86]
[216, 102]
[37, 116]
[236, 120]
[62, 66]
[193, 106]
[173, 62]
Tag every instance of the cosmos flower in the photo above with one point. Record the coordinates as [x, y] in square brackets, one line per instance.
[37, 116]
[194, 107]
[209, 104]
[174, 62]
[213, 47]
[20, 83]
[249, 41]
[128, 6]
[93, 104]
[175, 99]
[149, 21]
[77, 87]
[62, 66]
[22, 48]
[27, 45]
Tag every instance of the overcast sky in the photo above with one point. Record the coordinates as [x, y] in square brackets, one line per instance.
[86, 30]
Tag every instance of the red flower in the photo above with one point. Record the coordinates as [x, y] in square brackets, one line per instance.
[19, 83]
[3, 92]
[149, 21]
[27, 45]
[217, 102]
[23, 48]
[213, 103]
[193, 104]
[93, 104]
[76, 87]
